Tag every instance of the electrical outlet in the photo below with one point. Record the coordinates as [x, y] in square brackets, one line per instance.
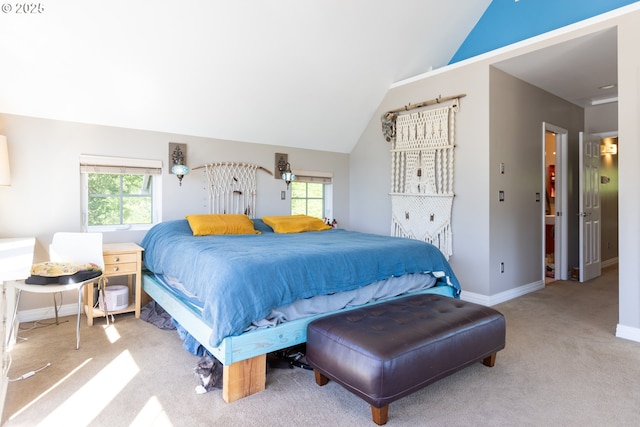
[502, 267]
[501, 168]
[501, 195]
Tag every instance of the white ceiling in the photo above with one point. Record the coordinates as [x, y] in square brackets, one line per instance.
[285, 72]
[573, 70]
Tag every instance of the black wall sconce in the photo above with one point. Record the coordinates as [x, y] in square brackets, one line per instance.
[178, 154]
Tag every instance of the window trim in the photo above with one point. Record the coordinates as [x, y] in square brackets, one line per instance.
[120, 166]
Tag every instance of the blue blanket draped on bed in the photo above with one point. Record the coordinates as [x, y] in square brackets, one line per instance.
[240, 278]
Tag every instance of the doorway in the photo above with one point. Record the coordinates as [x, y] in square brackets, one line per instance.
[554, 208]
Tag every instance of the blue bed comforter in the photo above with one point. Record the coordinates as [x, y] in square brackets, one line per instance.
[241, 278]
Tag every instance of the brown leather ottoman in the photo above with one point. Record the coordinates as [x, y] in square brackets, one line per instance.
[385, 351]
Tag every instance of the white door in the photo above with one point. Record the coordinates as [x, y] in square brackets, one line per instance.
[589, 207]
[561, 201]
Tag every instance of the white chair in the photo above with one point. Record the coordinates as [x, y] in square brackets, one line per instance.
[81, 248]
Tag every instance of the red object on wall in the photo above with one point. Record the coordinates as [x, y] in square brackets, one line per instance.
[549, 239]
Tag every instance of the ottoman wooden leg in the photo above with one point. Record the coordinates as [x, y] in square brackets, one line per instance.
[490, 360]
[380, 415]
[320, 379]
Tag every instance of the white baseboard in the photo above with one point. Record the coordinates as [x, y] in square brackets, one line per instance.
[47, 313]
[609, 262]
[490, 300]
[627, 332]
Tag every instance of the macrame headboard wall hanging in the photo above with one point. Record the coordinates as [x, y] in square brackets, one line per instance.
[422, 160]
[232, 187]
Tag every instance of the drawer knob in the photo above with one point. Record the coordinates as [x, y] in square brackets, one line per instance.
[116, 268]
[117, 259]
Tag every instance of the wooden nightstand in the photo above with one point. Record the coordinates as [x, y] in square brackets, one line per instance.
[120, 259]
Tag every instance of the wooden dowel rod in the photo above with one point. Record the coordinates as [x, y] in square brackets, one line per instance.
[231, 163]
[434, 101]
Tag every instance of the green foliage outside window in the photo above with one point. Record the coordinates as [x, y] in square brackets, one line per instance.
[307, 198]
[119, 199]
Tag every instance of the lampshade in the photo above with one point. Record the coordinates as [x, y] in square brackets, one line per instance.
[287, 175]
[180, 169]
[5, 174]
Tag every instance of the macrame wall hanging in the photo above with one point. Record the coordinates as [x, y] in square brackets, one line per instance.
[422, 160]
[232, 187]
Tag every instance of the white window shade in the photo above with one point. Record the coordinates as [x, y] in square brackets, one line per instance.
[119, 165]
[312, 176]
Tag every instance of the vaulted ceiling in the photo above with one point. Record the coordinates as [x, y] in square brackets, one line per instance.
[306, 74]
[294, 73]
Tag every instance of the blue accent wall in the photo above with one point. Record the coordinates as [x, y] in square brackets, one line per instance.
[509, 21]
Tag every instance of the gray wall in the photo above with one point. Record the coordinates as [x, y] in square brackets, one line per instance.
[45, 193]
[518, 110]
[370, 164]
[500, 120]
[601, 118]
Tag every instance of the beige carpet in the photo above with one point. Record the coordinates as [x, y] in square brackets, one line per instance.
[562, 366]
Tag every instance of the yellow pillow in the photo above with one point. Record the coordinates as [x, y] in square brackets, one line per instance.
[295, 223]
[206, 224]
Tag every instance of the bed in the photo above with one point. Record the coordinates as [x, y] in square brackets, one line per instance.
[242, 296]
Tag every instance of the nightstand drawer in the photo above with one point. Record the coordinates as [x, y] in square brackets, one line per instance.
[120, 258]
[121, 268]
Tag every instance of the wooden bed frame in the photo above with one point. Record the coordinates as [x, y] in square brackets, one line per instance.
[244, 356]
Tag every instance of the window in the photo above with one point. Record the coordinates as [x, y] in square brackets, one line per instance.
[307, 198]
[120, 193]
[311, 194]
